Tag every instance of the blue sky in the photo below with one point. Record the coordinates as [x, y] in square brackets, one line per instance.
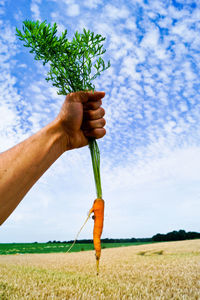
[150, 157]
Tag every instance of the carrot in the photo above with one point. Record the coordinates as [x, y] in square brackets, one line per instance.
[98, 210]
[98, 205]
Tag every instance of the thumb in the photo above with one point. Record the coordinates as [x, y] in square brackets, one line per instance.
[85, 96]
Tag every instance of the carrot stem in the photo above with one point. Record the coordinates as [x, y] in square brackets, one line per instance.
[95, 156]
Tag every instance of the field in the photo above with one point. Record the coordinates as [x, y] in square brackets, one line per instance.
[168, 270]
[23, 248]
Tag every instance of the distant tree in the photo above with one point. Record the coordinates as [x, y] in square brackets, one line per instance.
[176, 236]
[193, 235]
[159, 237]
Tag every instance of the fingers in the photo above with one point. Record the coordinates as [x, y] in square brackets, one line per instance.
[92, 124]
[94, 114]
[95, 96]
[92, 105]
[93, 121]
[96, 133]
[94, 128]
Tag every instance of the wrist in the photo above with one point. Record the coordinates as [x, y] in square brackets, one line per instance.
[59, 136]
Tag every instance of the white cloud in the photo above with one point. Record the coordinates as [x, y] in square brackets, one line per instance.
[151, 39]
[115, 13]
[158, 7]
[2, 10]
[9, 121]
[35, 9]
[128, 68]
[73, 10]
[92, 3]
[130, 24]
[68, 2]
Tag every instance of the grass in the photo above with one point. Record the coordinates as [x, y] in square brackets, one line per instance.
[165, 271]
[22, 248]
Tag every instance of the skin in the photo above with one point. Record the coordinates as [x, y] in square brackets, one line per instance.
[80, 118]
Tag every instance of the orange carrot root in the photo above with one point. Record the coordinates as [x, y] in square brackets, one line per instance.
[98, 210]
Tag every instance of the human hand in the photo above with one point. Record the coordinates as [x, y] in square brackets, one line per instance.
[81, 117]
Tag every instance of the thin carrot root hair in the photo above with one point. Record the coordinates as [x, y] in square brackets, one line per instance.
[79, 233]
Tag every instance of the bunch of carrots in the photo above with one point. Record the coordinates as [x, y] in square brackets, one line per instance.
[73, 66]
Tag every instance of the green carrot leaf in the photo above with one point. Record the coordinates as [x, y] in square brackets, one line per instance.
[73, 65]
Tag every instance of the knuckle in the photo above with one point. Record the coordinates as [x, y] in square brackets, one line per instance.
[102, 111]
[100, 133]
[89, 114]
[92, 114]
[94, 105]
[95, 114]
[70, 96]
[99, 102]
[104, 122]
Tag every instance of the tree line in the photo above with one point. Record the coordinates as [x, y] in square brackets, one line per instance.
[176, 236]
[107, 240]
[170, 236]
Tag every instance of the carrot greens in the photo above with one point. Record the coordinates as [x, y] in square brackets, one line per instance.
[73, 65]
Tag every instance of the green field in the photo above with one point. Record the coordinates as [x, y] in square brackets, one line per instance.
[21, 248]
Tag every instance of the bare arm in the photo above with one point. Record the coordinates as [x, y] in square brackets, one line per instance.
[21, 166]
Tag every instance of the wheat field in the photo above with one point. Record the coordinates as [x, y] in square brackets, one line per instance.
[168, 270]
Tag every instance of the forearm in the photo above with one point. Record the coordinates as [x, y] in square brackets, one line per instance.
[24, 164]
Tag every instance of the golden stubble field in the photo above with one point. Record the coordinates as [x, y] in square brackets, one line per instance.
[156, 271]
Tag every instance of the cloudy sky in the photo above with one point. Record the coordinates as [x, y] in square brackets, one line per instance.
[150, 157]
